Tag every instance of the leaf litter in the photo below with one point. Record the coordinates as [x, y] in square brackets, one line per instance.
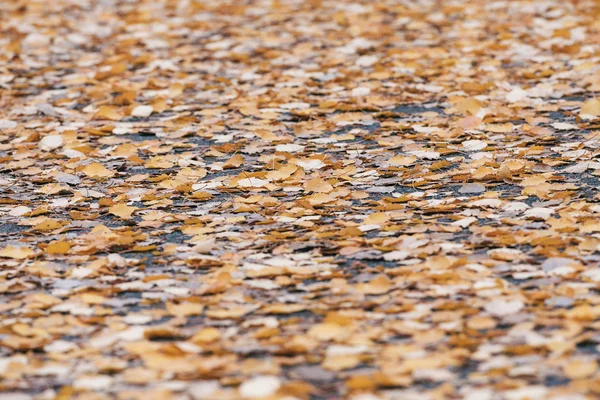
[299, 200]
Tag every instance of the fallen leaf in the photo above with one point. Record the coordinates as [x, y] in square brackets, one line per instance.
[58, 247]
[122, 210]
[18, 253]
[108, 112]
[318, 185]
[97, 171]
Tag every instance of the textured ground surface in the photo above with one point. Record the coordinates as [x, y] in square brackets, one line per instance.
[299, 200]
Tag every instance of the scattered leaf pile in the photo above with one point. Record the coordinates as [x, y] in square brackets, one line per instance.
[280, 199]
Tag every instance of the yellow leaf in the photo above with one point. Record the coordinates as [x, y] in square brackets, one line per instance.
[97, 170]
[143, 248]
[327, 331]
[41, 301]
[505, 173]
[469, 122]
[107, 112]
[591, 107]
[318, 185]
[48, 224]
[482, 172]
[92, 298]
[206, 335]
[379, 285]
[282, 308]
[158, 162]
[320, 198]
[341, 362]
[18, 253]
[155, 215]
[580, 369]
[172, 183]
[402, 161]
[200, 196]
[185, 309]
[533, 180]
[191, 174]
[481, 322]
[378, 218]
[53, 188]
[500, 128]
[469, 106]
[122, 211]
[58, 248]
[282, 173]
[234, 162]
